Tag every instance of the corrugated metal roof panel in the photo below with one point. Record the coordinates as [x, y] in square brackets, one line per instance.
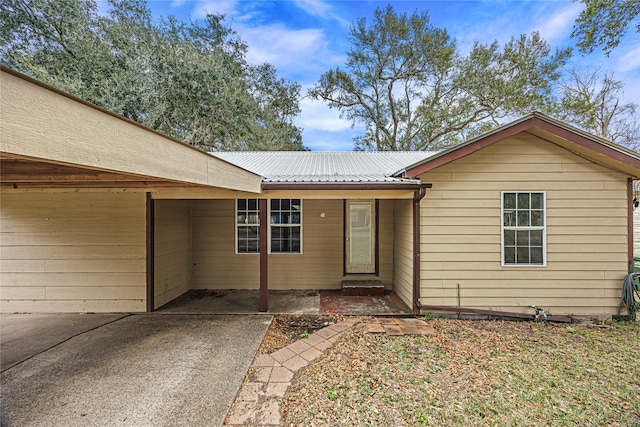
[334, 178]
[306, 166]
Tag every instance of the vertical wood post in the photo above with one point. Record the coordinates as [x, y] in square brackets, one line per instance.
[264, 256]
[150, 253]
[630, 223]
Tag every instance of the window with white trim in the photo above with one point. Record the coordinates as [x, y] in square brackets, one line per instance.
[523, 229]
[286, 225]
[247, 226]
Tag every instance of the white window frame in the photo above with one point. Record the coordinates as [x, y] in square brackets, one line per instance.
[286, 225]
[524, 228]
[257, 224]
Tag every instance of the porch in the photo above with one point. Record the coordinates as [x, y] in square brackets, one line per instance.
[229, 301]
[206, 259]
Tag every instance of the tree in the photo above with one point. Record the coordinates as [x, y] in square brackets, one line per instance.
[406, 81]
[591, 101]
[604, 23]
[190, 81]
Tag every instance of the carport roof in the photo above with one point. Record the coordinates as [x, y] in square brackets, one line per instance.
[51, 139]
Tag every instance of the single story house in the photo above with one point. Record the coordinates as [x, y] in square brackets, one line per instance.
[99, 214]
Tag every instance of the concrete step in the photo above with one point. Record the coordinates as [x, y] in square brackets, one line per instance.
[362, 288]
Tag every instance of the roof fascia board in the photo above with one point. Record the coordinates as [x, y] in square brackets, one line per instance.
[534, 120]
[468, 148]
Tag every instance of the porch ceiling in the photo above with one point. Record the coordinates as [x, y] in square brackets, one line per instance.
[23, 172]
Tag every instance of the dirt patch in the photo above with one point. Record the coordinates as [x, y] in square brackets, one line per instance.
[286, 329]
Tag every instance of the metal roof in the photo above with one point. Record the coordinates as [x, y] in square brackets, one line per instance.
[329, 167]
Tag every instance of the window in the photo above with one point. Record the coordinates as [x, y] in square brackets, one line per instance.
[523, 228]
[247, 226]
[286, 225]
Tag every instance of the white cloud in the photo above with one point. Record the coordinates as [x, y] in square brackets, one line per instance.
[314, 7]
[320, 9]
[202, 8]
[301, 55]
[554, 24]
[630, 61]
[316, 115]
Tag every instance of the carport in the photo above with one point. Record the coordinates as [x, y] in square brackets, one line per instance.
[77, 214]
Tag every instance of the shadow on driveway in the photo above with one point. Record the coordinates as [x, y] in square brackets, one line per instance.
[139, 370]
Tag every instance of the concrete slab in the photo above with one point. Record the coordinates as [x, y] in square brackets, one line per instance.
[232, 301]
[25, 335]
[141, 370]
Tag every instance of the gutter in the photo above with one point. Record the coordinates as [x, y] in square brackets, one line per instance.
[342, 186]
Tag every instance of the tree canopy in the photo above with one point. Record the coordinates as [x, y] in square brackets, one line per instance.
[590, 100]
[604, 22]
[190, 81]
[408, 83]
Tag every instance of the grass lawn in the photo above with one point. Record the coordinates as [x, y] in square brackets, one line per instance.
[474, 373]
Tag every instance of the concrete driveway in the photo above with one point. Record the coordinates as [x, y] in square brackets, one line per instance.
[138, 370]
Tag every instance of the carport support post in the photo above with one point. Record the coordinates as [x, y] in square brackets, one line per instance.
[264, 256]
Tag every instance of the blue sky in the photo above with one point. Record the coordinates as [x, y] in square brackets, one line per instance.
[305, 38]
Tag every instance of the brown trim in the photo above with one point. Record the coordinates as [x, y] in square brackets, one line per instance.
[100, 184]
[264, 256]
[465, 150]
[376, 267]
[630, 223]
[340, 186]
[589, 143]
[417, 197]
[150, 231]
[525, 125]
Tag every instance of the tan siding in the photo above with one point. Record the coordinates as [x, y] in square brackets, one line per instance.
[217, 266]
[320, 266]
[636, 232]
[78, 134]
[172, 247]
[386, 232]
[586, 231]
[72, 252]
[403, 250]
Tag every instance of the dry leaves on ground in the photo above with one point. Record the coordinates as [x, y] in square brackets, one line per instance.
[474, 373]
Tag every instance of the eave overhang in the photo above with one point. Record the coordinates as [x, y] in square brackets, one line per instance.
[52, 139]
[575, 140]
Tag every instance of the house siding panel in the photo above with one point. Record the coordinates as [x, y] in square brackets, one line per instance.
[586, 231]
[403, 250]
[72, 252]
[172, 247]
[320, 266]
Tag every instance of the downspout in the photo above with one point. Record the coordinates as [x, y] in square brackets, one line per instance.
[150, 252]
[418, 195]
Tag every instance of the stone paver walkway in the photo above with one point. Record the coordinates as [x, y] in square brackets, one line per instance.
[258, 401]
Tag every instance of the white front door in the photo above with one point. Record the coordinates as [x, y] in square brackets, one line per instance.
[360, 236]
